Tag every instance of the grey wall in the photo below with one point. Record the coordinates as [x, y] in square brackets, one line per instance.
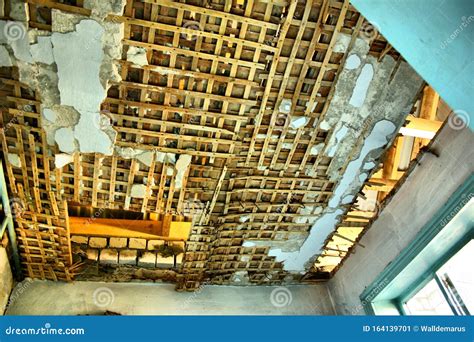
[58, 298]
[426, 189]
[6, 280]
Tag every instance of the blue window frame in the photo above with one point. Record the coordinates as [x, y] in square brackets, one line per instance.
[437, 242]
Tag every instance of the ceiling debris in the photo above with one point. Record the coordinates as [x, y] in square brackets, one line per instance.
[268, 118]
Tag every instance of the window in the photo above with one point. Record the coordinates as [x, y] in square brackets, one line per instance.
[433, 275]
[451, 289]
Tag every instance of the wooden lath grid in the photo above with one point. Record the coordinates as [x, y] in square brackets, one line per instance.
[216, 76]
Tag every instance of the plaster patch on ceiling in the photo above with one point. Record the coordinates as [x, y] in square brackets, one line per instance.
[296, 261]
[298, 122]
[182, 166]
[342, 42]
[64, 137]
[285, 106]
[42, 51]
[352, 62]
[14, 159]
[5, 60]
[137, 55]
[78, 56]
[62, 159]
[362, 86]
[138, 191]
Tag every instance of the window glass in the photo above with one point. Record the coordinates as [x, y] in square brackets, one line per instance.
[457, 276]
[428, 301]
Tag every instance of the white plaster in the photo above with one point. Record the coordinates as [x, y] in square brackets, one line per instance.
[362, 177]
[244, 218]
[362, 86]
[139, 191]
[162, 157]
[64, 137]
[313, 107]
[287, 146]
[137, 55]
[348, 199]
[49, 114]
[14, 160]
[181, 166]
[285, 106]
[324, 125]
[42, 51]
[298, 122]
[90, 138]
[146, 157]
[376, 139]
[316, 149]
[369, 165]
[342, 42]
[336, 140]
[295, 261]
[352, 62]
[5, 59]
[62, 159]
[79, 55]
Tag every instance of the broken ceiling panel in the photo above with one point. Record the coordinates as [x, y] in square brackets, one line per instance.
[257, 121]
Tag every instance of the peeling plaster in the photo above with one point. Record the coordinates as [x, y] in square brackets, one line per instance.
[137, 55]
[5, 60]
[62, 159]
[298, 122]
[181, 166]
[285, 106]
[352, 62]
[14, 159]
[296, 261]
[362, 86]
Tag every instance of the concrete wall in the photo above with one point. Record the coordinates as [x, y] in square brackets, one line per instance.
[58, 298]
[425, 191]
[6, 279]
[436, 38]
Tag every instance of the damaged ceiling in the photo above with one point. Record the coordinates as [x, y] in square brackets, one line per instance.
[257, 121]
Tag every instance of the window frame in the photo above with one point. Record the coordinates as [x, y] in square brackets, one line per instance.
[375, 298]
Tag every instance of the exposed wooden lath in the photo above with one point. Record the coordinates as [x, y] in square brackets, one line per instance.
[217, 75]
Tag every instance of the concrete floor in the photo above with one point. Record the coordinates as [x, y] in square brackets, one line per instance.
[79, 298]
